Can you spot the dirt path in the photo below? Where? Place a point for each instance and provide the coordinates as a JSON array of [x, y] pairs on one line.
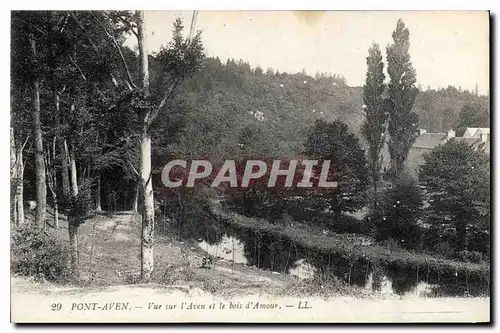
[[109, 248]]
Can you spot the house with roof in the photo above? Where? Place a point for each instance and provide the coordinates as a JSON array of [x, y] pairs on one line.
[[425, 143], [476, 138], [476, 132]]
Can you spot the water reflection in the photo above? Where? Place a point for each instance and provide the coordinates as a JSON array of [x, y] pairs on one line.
[[229, 248], [278, 254]]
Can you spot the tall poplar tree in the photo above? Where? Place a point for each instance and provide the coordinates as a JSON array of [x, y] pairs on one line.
[[374, 126], [402, 93]]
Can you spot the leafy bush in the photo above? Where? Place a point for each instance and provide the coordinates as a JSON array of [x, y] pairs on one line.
[[173, 273], [469, 256], [444, 249], [81, 205], [36, 254], [258, 200], [400, 209], [186, 213], [390, 243], [475, 256]]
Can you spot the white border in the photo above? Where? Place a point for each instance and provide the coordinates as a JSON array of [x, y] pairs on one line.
[[201, 5]]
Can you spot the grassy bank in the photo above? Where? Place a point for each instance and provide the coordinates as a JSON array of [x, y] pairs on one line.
[[346, 245]]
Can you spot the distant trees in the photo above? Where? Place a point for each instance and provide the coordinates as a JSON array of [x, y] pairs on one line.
[[457, 182], [334, 142], [403, 121], [374, 126], [473, 114]]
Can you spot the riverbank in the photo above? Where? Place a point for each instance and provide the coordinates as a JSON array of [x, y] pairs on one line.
[[349, 245], [352, 258]]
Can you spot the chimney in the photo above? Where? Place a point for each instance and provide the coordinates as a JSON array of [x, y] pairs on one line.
[[451, 134], [484, 137], [423, 131]]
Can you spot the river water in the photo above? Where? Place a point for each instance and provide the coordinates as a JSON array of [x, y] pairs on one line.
[[261, 251]]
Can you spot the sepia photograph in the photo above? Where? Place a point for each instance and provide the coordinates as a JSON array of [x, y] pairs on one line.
[[250, 166]]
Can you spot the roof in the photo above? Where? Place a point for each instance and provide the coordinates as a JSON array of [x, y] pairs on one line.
[[429, 140], [469, 141], [473, 131]]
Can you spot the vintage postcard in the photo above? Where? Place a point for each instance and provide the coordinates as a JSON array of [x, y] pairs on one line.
[[250, 166]]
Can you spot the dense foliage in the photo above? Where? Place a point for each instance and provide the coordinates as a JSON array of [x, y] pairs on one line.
[[456, 179], [37, 254], [400, 212], [334, 142]]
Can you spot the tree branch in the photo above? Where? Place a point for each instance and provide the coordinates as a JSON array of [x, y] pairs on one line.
[[133, 168], [25, 141], [65, 23], [127, 23], [79, 24], [131, 82], [150, 117], [78, 67], [34, 26]]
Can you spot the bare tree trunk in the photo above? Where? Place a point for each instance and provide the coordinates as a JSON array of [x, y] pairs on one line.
[[74, 179], [146, 190], [136, 197], [12, 153], [52, 181], [56, 213], [17, 177], [143, 53], [13, 176], [41, 190], [73, 244], [98, 194], [63, 152], [20, 190], [147, 205]]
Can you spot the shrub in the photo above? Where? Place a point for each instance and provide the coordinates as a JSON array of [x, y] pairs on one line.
[[258, 201], [390, 243], [400, 210], [469, 256], [37, 254], [475, 256], [444, 249], [186, 212], [173, 273], [80, 206]]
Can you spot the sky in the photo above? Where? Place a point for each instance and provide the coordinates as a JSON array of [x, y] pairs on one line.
[[447, 47]]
